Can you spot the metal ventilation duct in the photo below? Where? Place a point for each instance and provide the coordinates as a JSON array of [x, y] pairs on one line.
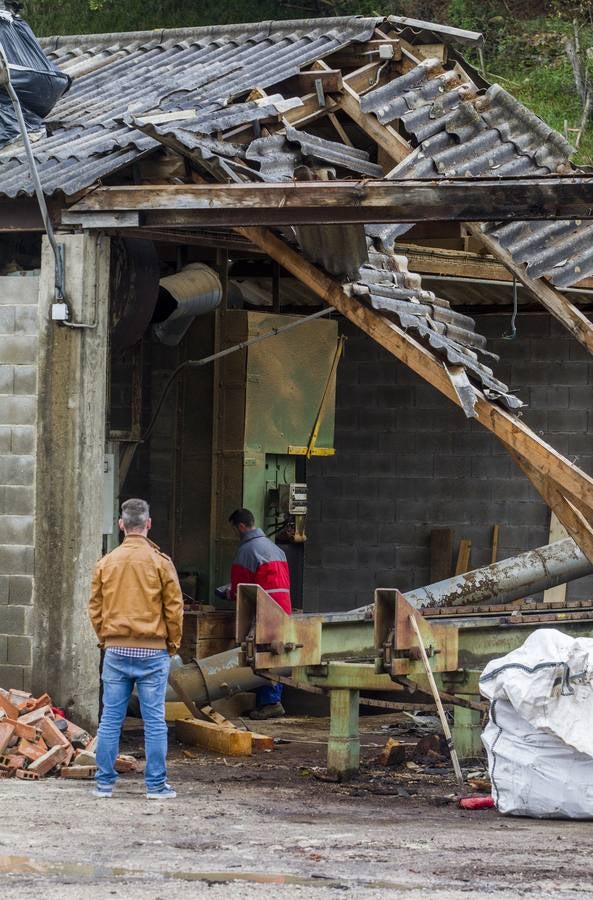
[[195, 291]]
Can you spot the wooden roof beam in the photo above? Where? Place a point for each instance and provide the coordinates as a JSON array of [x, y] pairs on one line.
[[557, 304], [574, 484], [365, 201]]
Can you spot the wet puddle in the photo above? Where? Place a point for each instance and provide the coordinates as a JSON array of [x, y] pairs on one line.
[[83, 872]]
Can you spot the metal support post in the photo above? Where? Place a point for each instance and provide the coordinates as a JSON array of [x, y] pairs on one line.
[[343, 749], [467, 730]]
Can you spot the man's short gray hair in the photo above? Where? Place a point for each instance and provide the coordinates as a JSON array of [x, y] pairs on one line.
[[135, 514]]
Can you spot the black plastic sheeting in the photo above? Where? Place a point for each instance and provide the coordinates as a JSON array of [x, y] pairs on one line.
[[37, 82]]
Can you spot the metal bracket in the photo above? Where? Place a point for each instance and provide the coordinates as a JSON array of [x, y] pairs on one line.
[[397, 645], [269, 637]]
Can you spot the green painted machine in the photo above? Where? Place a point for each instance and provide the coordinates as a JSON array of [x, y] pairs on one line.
[[273, 411]]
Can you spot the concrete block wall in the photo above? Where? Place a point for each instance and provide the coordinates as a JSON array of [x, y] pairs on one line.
[[18, 405], [407, 461]]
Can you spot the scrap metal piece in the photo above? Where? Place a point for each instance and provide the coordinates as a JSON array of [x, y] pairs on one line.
[[464, 389]]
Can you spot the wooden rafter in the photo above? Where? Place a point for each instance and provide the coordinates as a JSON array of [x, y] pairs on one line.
[[556, 303], [571, 481], [576, 524], [364, 201]]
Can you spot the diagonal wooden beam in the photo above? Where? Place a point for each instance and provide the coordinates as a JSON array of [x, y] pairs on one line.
[[555, 302], [572, 481], [578, 527]]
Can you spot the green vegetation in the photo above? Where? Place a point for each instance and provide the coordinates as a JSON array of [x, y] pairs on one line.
[[524, 48]]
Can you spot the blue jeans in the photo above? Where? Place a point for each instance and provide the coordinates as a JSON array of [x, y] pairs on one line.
[[119, 675], [268, 694]]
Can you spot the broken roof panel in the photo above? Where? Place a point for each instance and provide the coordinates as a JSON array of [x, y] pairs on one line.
[[119, 75]]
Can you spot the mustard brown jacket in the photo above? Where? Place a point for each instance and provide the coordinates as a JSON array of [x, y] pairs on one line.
[[136, 600]]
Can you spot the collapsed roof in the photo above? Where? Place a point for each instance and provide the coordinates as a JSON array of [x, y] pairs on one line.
[[252, 103]]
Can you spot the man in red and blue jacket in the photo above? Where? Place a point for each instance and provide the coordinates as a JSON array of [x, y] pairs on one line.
[[260, 561]]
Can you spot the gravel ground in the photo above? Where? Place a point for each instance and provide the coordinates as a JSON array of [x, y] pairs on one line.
[[268, 826]]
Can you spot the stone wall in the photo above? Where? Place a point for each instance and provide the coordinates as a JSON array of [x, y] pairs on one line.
[[18, 410]]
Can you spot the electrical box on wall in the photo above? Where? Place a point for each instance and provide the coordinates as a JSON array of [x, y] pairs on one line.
[[292, 499], [108, 492]]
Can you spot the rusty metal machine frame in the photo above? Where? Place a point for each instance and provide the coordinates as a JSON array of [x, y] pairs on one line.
[[375, 650]]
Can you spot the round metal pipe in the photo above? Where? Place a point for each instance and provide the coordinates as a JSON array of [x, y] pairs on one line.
[[509, 579], [218, 676]]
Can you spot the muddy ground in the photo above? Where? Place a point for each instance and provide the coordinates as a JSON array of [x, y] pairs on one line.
[[270, 826]]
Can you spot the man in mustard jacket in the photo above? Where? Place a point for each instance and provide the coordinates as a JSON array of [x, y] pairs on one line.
[[136, 609]]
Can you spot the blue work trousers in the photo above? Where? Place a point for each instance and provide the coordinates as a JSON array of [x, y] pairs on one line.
[[268, 694], [120, 674]]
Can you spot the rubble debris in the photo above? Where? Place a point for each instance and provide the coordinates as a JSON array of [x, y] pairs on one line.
[[36, 740], [393, 754]]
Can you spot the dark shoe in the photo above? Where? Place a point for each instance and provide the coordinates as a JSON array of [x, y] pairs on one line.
[[271, 711]]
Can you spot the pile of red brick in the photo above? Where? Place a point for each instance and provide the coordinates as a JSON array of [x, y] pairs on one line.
[[36, 741]]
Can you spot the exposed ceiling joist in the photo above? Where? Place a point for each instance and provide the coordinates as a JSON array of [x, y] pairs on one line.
[[331, 202]]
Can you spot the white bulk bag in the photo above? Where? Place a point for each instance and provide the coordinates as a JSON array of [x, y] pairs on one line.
[[539, 737]]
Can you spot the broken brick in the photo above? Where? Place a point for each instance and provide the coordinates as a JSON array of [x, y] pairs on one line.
[[44, 700], [36, 715], [49, 760], [13, 762], [31, 751], [9, 708], [6, 734], [82, 772], [28, 732], [27, 774], [51, 734]]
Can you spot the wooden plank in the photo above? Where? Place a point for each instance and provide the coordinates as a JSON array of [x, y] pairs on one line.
[[556, 303], [365, 200], [213, 737], [441, 553], [331, 80], [174, 710], [463, 556], [511, 430], [385, 136], [556, 596], [495, 535]]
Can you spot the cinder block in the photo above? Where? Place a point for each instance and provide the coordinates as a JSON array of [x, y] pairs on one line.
[[4, 589], [580, 397], [6, 320], [15, 559], [376, 509], [554, 397], [23, 439], [3, 647], [6, 379], [20, 589], [491, 467], [19, 650], [13, 620], [17, 469], [18, 348], [414, 465], [16, 529], [25, 380], [17, 500], [26, 319], [18, 410], [567, 420], [452, 466], [11, 677], [16, 290]]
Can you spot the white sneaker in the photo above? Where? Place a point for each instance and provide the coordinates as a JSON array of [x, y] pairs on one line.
[[105, 793], [165, 792]]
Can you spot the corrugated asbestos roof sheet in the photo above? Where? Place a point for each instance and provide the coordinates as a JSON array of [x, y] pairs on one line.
[[462, 133], [114, 114], [112, 81]]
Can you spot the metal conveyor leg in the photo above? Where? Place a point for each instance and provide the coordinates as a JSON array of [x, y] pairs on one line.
[[343, 749]]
